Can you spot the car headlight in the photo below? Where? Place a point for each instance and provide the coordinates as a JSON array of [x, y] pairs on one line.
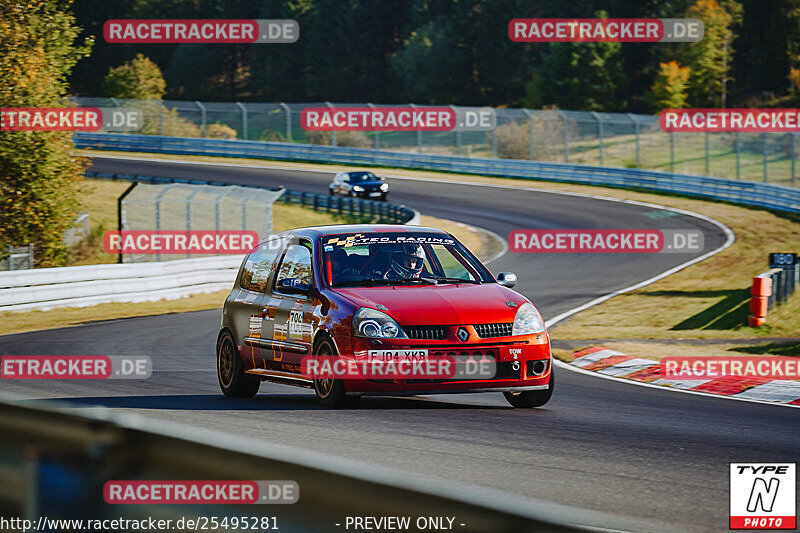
[[527, 321], [385, 187], [376, 325], [358, 188]]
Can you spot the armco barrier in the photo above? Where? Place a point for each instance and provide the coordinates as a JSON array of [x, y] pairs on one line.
[[47, 288], [54, 463], [769, 288], [767, 195]]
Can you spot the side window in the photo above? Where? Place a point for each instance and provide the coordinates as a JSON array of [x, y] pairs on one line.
[[296, 265], [259, 265]]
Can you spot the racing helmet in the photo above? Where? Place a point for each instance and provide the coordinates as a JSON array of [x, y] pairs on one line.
[[408, 260]]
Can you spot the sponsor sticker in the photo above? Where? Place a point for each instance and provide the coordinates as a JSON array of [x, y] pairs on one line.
[[359, 239], [229, 31], [200, 492], [762, 496]]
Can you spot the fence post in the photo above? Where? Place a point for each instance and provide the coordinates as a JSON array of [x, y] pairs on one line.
[[121, 222], [158, 212], [791, 139], [738, 155], [189, 213], [376, 133], [202, 118], [288, 121], [333, 133], [494, 136], [765, 156], [419, 133], [672, 151], [708, 165], [599, 135], [529, 114], [160, 118], [458, 134], [244, 119], [566, 136], [636, 131]]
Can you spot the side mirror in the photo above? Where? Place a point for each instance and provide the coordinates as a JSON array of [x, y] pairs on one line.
[[507, 279], [293, 286]]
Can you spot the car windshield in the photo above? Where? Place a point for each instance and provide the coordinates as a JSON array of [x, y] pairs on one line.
[[407, 258], [355, 177]]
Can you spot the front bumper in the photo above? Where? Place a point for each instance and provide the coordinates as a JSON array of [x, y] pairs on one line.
[[516, 359]]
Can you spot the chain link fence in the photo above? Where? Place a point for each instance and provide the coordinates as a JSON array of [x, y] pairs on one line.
[[178, 207], [586, 138]]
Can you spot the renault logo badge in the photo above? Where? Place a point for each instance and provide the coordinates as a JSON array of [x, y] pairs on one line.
[[462, 334]]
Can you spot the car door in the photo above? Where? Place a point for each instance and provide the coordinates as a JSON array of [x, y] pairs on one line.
[[290, 308], [246, 307]]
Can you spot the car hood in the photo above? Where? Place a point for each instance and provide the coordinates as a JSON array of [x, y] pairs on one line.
[[440, 304], [376, 183]]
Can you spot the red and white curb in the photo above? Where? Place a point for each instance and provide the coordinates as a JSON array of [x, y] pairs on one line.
[[619, 365]]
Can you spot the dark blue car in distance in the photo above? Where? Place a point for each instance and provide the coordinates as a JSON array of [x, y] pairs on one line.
[[359, 184]]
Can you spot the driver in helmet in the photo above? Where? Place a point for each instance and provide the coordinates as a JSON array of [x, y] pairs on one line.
[[407, 262]]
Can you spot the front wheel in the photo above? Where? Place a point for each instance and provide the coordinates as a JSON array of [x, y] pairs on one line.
[[230, 370], [330, 392], [532, 398]]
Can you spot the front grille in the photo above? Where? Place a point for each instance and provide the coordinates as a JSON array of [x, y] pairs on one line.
[[486, 331], [426, 332]]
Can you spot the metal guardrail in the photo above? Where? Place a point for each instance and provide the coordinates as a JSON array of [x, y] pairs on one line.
[[384, 212], [54, 463], [767, 195], [47, 288]]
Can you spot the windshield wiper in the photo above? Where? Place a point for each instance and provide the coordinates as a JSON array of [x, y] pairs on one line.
[[454, 280]]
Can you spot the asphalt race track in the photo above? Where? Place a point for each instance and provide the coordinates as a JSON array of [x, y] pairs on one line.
[[637, 452]]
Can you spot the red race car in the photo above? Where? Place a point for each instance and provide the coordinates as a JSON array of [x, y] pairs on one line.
[[379, 309]]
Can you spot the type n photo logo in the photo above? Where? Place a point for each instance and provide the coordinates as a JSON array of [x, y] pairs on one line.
[[763, 496]]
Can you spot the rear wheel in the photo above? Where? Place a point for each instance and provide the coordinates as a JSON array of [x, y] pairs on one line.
[[330, 392], [532, 398], [230, 370]]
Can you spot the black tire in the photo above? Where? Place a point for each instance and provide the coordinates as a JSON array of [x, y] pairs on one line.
[[532, 398], [230, 370], [330, 392]]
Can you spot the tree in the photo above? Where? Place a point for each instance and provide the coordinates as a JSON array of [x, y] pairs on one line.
[[581, 76], [709, 59], [669, 89], [40, 175], [138, 78]]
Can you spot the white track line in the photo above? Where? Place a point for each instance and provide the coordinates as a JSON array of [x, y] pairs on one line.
[[730, 239]]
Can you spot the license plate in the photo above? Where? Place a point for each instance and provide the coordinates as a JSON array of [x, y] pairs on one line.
[[398, 355], [374, 194]]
